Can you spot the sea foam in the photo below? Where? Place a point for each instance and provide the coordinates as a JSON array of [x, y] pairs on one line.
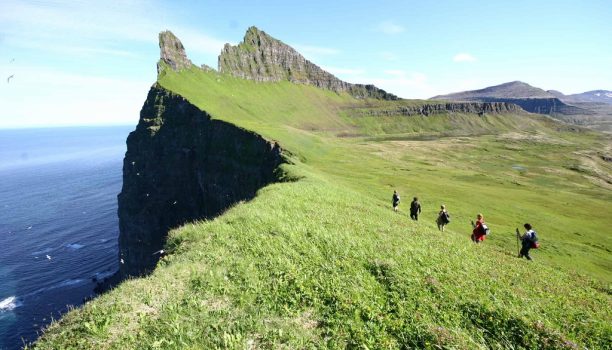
[[9, 303]]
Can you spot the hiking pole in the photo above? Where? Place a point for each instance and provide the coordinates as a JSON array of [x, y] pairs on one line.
[[517, 243]]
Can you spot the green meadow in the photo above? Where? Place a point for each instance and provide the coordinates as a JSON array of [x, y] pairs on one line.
[[322, 261]]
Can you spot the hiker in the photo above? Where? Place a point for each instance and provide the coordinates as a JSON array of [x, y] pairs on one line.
[[415, 209], [528, 240], [443, 218], [480, 229], [396, 200]]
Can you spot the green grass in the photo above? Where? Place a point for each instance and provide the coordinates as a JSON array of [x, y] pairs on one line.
[[322, 262]]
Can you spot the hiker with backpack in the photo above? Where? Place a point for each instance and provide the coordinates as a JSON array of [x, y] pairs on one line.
[[481, 230], [415, 209], [395, 200], [443, 218], [528, 240]]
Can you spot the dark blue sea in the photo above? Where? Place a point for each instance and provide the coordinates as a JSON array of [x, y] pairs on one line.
[[58, 222]]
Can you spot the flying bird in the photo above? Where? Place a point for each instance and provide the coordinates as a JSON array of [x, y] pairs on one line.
[[8, 80], [12, 60]]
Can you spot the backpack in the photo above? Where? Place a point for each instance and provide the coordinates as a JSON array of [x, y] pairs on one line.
[[485, 229], [445, 216], [534, 241], [414, 207]]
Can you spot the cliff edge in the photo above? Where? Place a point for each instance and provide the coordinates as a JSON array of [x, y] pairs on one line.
[[180, 166]]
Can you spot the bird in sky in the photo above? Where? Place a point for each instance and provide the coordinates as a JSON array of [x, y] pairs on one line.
[[8, 80]]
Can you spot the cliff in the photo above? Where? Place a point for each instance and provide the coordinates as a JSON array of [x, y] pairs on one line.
[[438, 108], [172, 52], [181, 165], [551, 106], [261, 57]]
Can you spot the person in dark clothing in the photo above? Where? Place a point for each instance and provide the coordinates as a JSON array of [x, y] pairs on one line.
[[415, 209], [396, 200], [443, 218], [528, 239]]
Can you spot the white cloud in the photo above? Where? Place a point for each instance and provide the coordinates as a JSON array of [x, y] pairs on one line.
[[195, 41], [405, 84], [388, 56], [390, 27], [396, 81], [315, 50], [464, 57], [102, 20], [65, 38], [396, 72], [70, 49], [68, 99], [344, 71]]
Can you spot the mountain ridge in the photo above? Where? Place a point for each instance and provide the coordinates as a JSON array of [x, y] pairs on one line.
[[592, 108], [513, 89]]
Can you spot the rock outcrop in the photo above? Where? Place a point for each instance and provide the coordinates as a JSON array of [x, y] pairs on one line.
[[451, 107], [551, 106], [181, 165], [172, 52], [261, 57]]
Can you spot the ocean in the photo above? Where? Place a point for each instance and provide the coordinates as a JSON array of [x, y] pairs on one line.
[[58, 222]]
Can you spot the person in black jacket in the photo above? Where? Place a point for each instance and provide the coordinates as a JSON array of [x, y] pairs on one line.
[[443, 218], [396, 200], [415, 209], [528, 240]]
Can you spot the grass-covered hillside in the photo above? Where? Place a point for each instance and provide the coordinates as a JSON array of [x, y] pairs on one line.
[[322, 261]]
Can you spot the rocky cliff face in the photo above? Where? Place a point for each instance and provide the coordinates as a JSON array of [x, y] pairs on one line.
[[180, 166], [172, 52], [543, 105], [260, 57], [460, 107]]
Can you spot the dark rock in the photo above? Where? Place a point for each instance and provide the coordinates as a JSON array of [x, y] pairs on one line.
[[480, 108], [261, 57], [180, 166]]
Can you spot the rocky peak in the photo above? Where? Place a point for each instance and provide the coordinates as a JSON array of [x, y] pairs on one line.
[[261, 57], [172, 52]]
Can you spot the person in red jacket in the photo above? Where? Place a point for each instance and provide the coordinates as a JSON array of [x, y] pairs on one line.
[[480, 229]]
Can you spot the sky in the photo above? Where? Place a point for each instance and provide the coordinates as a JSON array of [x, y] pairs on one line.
[[77, 62]]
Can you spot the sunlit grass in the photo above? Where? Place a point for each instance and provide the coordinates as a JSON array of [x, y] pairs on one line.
[[323, 262]]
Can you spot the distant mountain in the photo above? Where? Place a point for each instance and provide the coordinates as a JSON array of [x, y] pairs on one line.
[[591, 108], [530, 98], [514, 89], [598, 96]]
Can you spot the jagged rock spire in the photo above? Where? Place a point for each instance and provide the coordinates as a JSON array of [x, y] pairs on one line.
[[172, 52], [261, 57]]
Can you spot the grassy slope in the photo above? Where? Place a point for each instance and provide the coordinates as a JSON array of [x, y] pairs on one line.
[[323, 262]]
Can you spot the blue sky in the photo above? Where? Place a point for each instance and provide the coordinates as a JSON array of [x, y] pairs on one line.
[[91, 62]]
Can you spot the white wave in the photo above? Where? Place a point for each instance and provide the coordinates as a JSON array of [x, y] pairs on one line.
[[41, 252], [75, 246], [66, 283], [9, 303]]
